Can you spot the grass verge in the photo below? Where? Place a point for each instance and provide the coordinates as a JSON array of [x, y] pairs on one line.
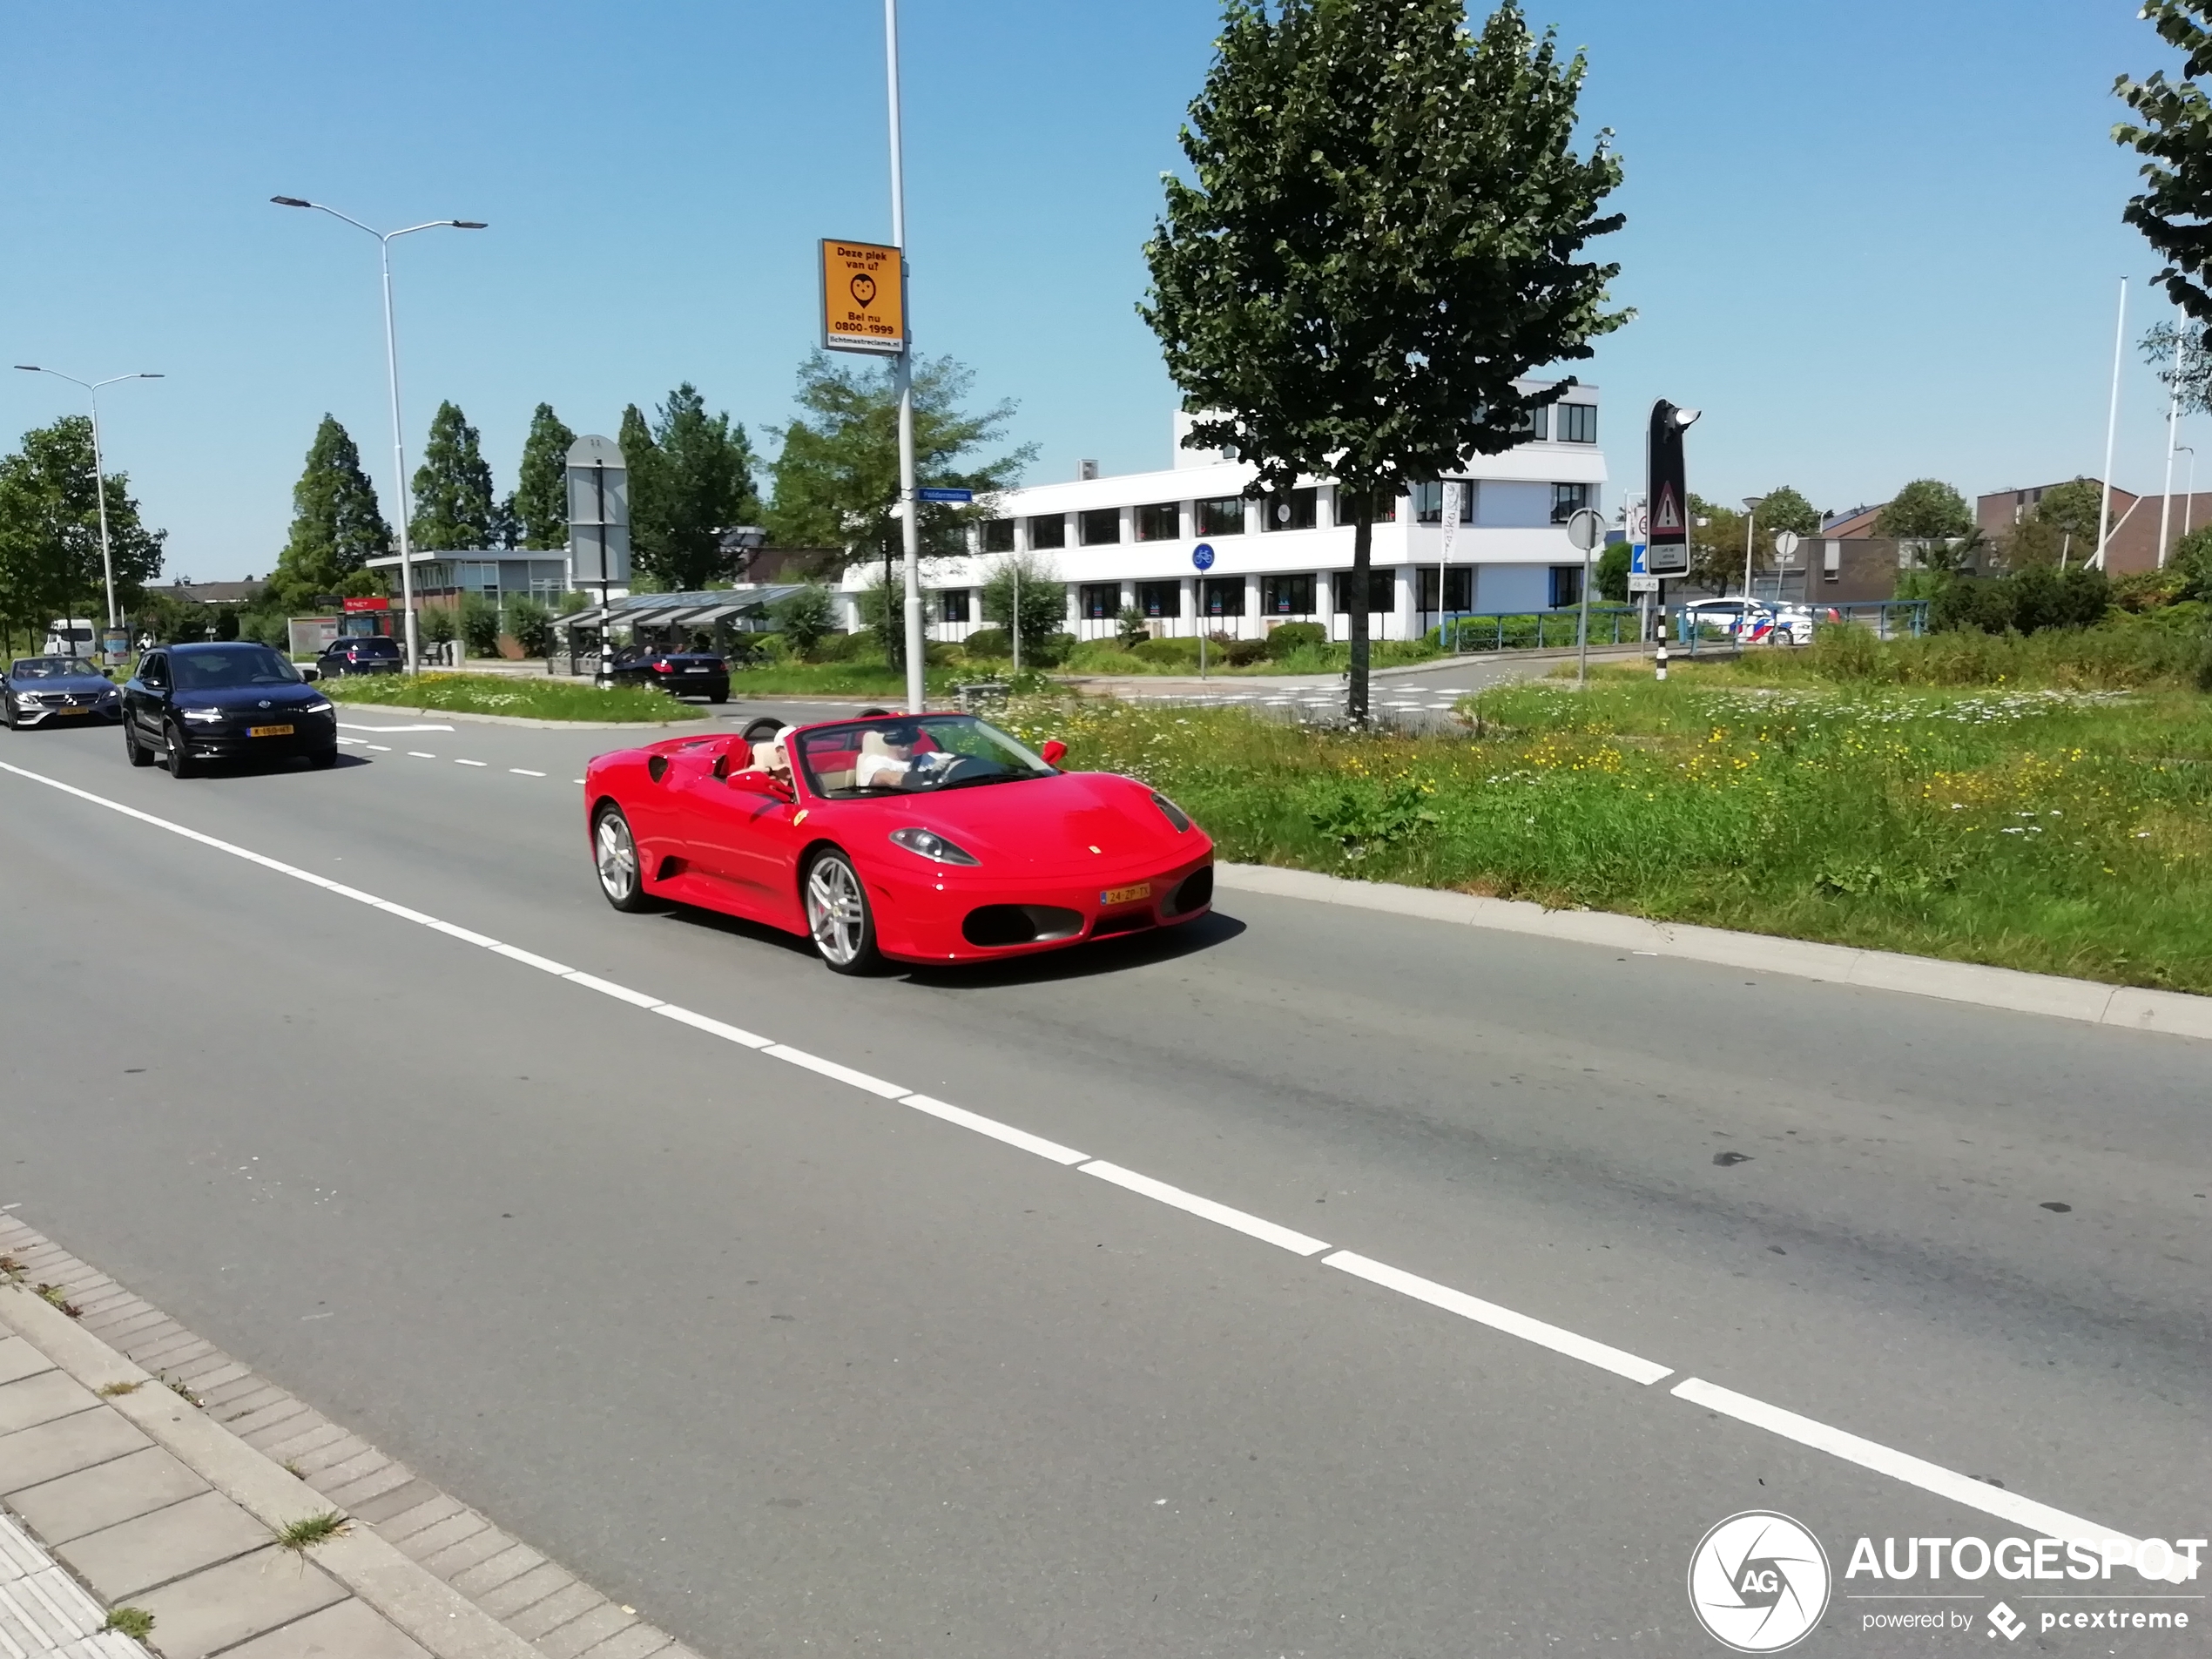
[[2054, 830], [536, 699]]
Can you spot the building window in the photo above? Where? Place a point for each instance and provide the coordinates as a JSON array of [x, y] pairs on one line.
[[1382, 591], [1100, 601], [1222, 595], [1531, 427], [1160, 598], [1459, 588], [1286, 596], [1347, 507], [1428, 502], [951, 604], [1568, 500], [998, 536], [1294, 510], [1162, 521], [1577, 422], [1567, 586], [1099, 527], [1223, 515], [1051, 530]]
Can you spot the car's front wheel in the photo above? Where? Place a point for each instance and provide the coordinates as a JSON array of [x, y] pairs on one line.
[[837, 917], [133, 750], [181, 765], [614, 852]]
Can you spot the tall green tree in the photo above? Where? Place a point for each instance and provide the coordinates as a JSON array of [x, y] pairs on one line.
[[453, 505], [1925, 509], [696, 485], [336, 526], [641, 460], [2172, 132], [1382, 235], [837, 475], [1785, 508], [539, 507], [49, 530]]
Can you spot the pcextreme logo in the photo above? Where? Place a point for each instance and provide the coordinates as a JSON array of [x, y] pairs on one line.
[[1758, 1582]]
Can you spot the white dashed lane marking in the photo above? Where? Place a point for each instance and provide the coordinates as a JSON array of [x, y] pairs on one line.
[[472, 763], [524, 772], [1868, 1454], [417, 754]]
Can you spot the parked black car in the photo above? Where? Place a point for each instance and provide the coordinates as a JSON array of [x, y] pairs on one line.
[[226, 701], [361, 654], [57, 690], [681, 673]]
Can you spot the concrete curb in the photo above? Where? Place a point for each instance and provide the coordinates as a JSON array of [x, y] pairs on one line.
[[423, 1606], [519, 719], [2127, 1008]]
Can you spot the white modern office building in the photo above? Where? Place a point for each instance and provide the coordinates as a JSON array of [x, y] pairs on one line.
[[1128, 540]]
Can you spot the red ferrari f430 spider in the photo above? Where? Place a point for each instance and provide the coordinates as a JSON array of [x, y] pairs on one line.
[[927, 838]]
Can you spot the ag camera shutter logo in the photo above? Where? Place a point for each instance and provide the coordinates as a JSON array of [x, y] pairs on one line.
[[1758, 1582]]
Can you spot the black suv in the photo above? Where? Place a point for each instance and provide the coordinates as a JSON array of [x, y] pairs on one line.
[[360, 654], [226, 701]]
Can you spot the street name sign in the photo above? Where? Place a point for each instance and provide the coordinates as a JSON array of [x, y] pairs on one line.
[[863, 298], [944, 496]]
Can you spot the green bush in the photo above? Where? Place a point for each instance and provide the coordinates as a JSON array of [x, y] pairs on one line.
[[842, 647], [1049, 650], [804, 617], [1240, 653], [437, 624], [532, 624], [479, 625], [2026, 602], [1292, 636], [1167, 650], [1130, 627], [988, 643]]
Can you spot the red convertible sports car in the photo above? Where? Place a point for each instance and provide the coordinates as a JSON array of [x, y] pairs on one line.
[[927, 838]]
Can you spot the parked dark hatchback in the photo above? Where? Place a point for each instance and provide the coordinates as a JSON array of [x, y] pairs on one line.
[[228, 701], [681, 673], [363, 654], [57, 690]]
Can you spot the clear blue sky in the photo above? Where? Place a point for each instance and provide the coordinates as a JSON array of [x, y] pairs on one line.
[[1871, 241]]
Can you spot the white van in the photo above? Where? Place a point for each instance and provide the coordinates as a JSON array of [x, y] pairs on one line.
[[70, 637]]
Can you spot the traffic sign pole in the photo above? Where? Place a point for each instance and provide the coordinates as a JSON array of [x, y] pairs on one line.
[[1202, 561], [1583, 530], [910, 524]]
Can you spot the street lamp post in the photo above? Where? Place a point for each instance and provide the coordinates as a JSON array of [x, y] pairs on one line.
[[384, 238], [1750, 526], [99, 469], [910, 510], [2188, 502]]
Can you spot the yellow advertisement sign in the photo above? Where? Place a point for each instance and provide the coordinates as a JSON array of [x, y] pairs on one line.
[[863, 298]]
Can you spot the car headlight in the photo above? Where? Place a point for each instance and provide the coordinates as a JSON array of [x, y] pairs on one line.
[[30, 699], [1175, 814], [932, 847], [317, 708], [204, 717]]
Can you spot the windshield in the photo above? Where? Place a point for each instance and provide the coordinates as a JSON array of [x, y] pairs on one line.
[[924, 755], [51, 668], [209, 670]]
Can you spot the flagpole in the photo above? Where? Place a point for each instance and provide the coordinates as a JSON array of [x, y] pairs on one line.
[[2112, 428]]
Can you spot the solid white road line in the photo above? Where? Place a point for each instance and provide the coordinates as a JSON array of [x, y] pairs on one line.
[[1283, 1237], [1514, 1325], [1868, 1454], [350, 726], [1901, 1466]]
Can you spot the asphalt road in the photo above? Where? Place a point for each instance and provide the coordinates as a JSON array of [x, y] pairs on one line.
[[792, 1368]]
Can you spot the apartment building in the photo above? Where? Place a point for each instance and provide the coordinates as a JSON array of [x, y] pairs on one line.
[[1128, 540]]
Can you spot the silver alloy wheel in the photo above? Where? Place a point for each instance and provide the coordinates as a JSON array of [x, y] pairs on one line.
[[837, 915], [616, 856]]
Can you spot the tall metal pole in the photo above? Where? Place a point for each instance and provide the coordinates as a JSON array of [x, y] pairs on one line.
[[100, 470], [401, 492], [1751, 527], [2188, 502], [2112, 428], [910, 512], [2172, 416]]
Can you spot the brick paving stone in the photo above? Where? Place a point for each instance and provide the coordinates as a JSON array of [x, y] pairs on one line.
[[32, 1400], [247, 1424], [224, 1605], [246, 1402], [638, 1641], [344, 1474], [349, 1629], [428, 1540], [426, 1513], [118, 1490], [542, 1580], [33, 1456], [458, 1558], [170, 1355], [243, 1389], [356, 1498], [585, 1631], [19, 1359], [553, 1611], [503, 1569], [120, 1562], [217, 1372], [336, 1454], [121, 1334], [290, 1440]]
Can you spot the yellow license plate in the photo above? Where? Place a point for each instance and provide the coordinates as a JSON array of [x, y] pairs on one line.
[[270, 731], [1126, 895], [72, 710]]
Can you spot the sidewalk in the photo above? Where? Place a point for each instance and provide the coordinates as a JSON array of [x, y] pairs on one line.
[[141, 1464]]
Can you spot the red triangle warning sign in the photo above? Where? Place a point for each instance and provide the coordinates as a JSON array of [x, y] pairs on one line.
[[1668, 515]]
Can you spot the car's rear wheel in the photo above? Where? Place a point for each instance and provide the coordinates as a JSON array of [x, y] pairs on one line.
[[133, 750], [181, 765], [614, 854], [837, 917]]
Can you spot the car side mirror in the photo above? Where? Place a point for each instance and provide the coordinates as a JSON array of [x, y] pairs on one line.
[[1054, 752]]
